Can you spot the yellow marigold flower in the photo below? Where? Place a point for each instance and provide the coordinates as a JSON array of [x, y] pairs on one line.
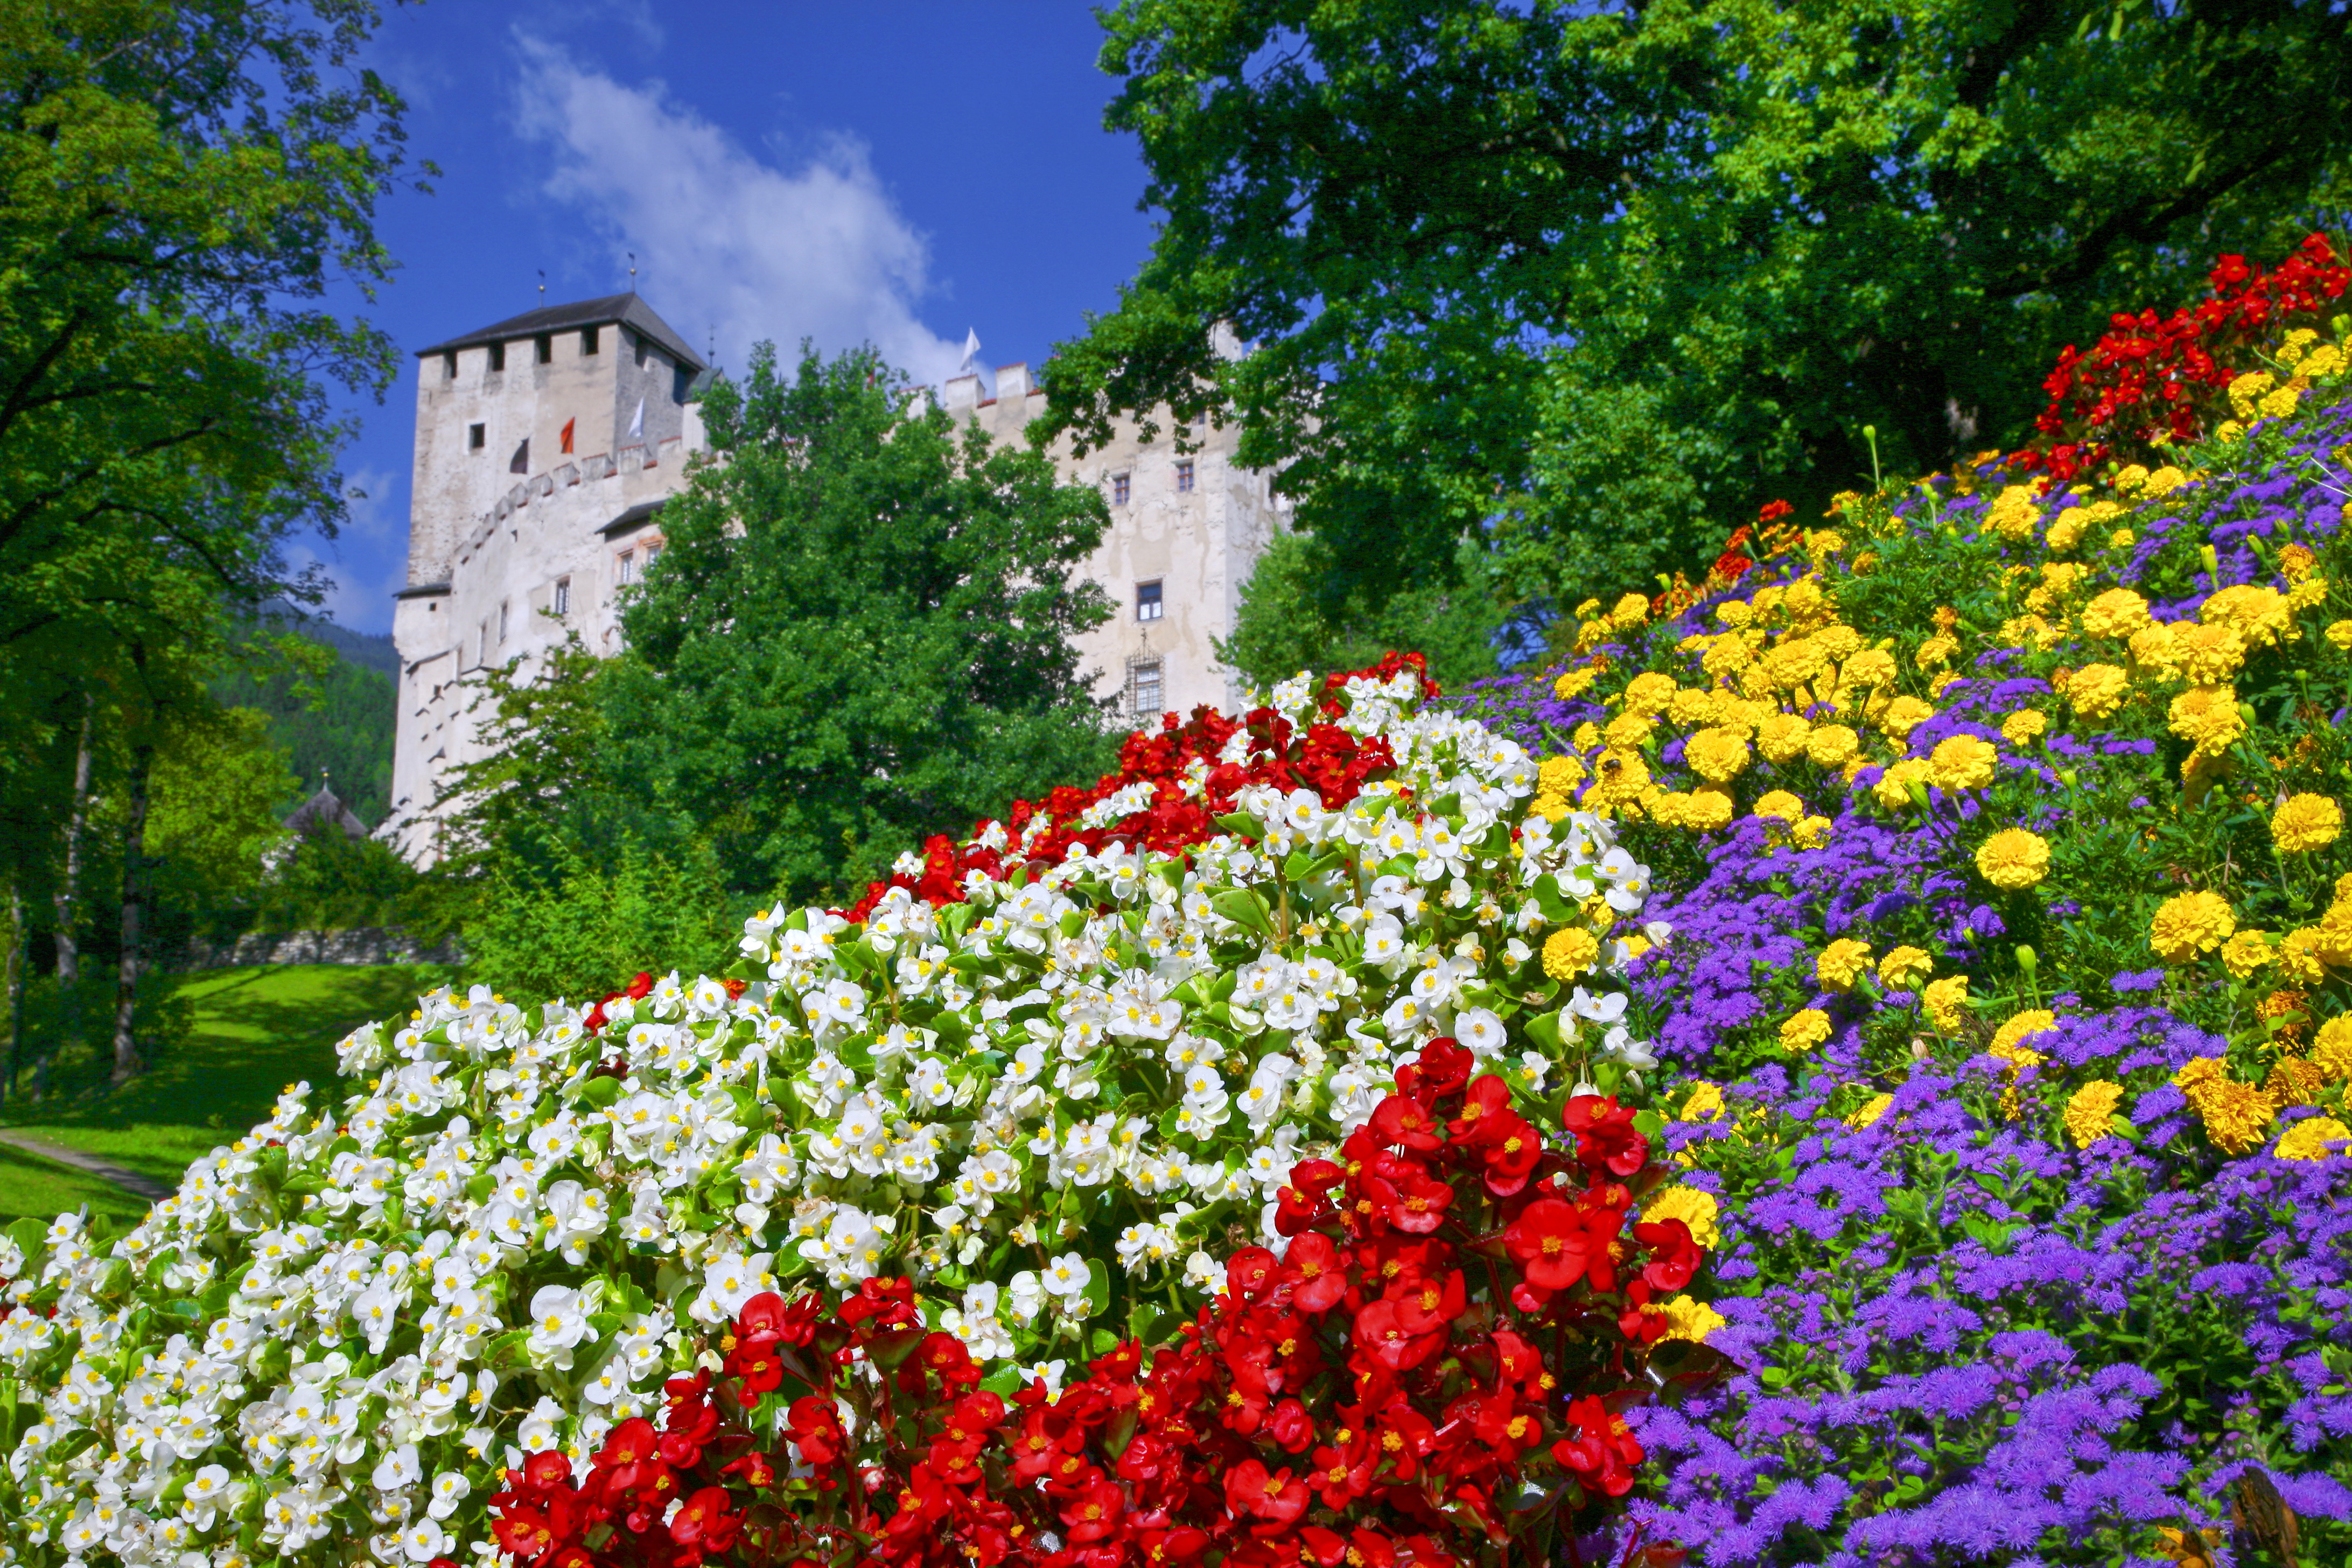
[[1943, 999], [1794, 662], [2013, 512], [2090, 1111], [2246, 952], [2260, 615], [1870, 1110], [2163, 482], [2207, 654], [1558, 776], [1586, 737], [1833, 745], [1549, 806], [1812, 833], [2327, 359], [2118, 613], [1963, 761], [1936, 651], [2189, 924], [1704, 1103], [1694, 706], [2298, 956], [2122, 539], [2331, 1050], [1903, 967], [1893, 790], [2013, 858], [1690, 1320], [2024, 727], [1718, 757], [1649, 692], [1903, 715], [1696, 1209], [1569, 951], [2154, 653], [2306, 822], [1707, 809], [1944, 677], [2235, 1115], [1868, 667], [2130, 476], [2309, 594], [1735, 612], [1821, 541], [1781, 804], [2278, 405], [2246, 389], [2293, 1081], [2308, 1139], [2007, 1040], [2097, 689], [2209, 716], [1728, 655], [2294, 561], [1842, 963], [1629, 612], [1618, 776], [1573, 682], [1804, 1030], [1803, 599], [1628, 732], [1782, 737]]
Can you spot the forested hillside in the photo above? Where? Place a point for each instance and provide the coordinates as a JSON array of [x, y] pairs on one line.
[[341, 723]]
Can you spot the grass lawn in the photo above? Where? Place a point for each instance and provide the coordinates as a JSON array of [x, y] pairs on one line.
[[252, 1032]]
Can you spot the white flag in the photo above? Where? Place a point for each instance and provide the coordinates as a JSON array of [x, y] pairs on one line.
[[971, 365], [637, 422]]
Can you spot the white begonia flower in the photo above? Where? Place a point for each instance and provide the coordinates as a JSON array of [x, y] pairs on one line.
[[1066, 1279], [1481, 1033], [425, 1540], [559, 1323], [398, 1470], [1024, 1297]]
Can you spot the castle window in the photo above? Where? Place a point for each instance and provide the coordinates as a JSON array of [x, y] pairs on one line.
[[449, 365], [482, 656], [563, 595], [1147, 600], [641, 354], [1143, 692], [544, 347], [588, 339], [1184, 477], [629, 566], [498, 358], [476, 435], [653, 554], [502, 622], [1119, 490]]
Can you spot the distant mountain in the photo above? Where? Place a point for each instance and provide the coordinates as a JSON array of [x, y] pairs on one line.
[[372, 651]]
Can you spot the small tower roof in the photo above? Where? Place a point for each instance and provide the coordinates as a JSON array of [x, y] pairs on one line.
[[324, 810], [629, 309]]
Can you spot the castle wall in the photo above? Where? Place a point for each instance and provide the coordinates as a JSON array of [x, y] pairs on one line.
[[490, 548]]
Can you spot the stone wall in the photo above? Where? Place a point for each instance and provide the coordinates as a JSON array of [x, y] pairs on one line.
[[368, 945]]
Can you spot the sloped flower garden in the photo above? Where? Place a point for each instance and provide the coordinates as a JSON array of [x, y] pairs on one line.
[[1848, 1068]]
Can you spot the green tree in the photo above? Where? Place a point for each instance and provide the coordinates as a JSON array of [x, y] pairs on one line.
[[1285, 625], [1607, 277], [858, 633], [181, 181], [329, 714]]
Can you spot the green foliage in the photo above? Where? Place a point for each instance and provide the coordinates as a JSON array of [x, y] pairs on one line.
[[1610, 274], [598, 920], [1285, 626], [334, 723], [858, 633]]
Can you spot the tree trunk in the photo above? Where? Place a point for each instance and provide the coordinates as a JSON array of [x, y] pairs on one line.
[[16, 988], [134, 899], [69, 1031]]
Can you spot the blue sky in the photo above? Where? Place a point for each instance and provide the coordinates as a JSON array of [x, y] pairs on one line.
[[893, 170]]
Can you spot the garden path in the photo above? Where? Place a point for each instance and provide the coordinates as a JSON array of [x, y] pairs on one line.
[[130, 1181]]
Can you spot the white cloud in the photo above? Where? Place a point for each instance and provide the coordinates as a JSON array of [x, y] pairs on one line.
[[726, 241]]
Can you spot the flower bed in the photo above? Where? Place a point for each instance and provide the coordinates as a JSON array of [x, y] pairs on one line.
[[2000, 833], [1040, 1090]]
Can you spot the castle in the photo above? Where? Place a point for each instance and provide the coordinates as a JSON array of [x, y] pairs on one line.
[[547, 444]]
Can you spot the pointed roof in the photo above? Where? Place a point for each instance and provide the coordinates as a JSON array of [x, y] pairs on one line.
[[629, 309], [323, 810]]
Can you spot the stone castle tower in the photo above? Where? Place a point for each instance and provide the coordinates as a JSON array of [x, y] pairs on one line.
[[547, 443]]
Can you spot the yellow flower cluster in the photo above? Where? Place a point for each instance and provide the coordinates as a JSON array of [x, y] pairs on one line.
[[2308, 1139], [1695, 1208], [1571, 952], [2190, 924], [2237, 1116], [1842, 963], [1805, 1030], [2303, 823], [2091, 1110]]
